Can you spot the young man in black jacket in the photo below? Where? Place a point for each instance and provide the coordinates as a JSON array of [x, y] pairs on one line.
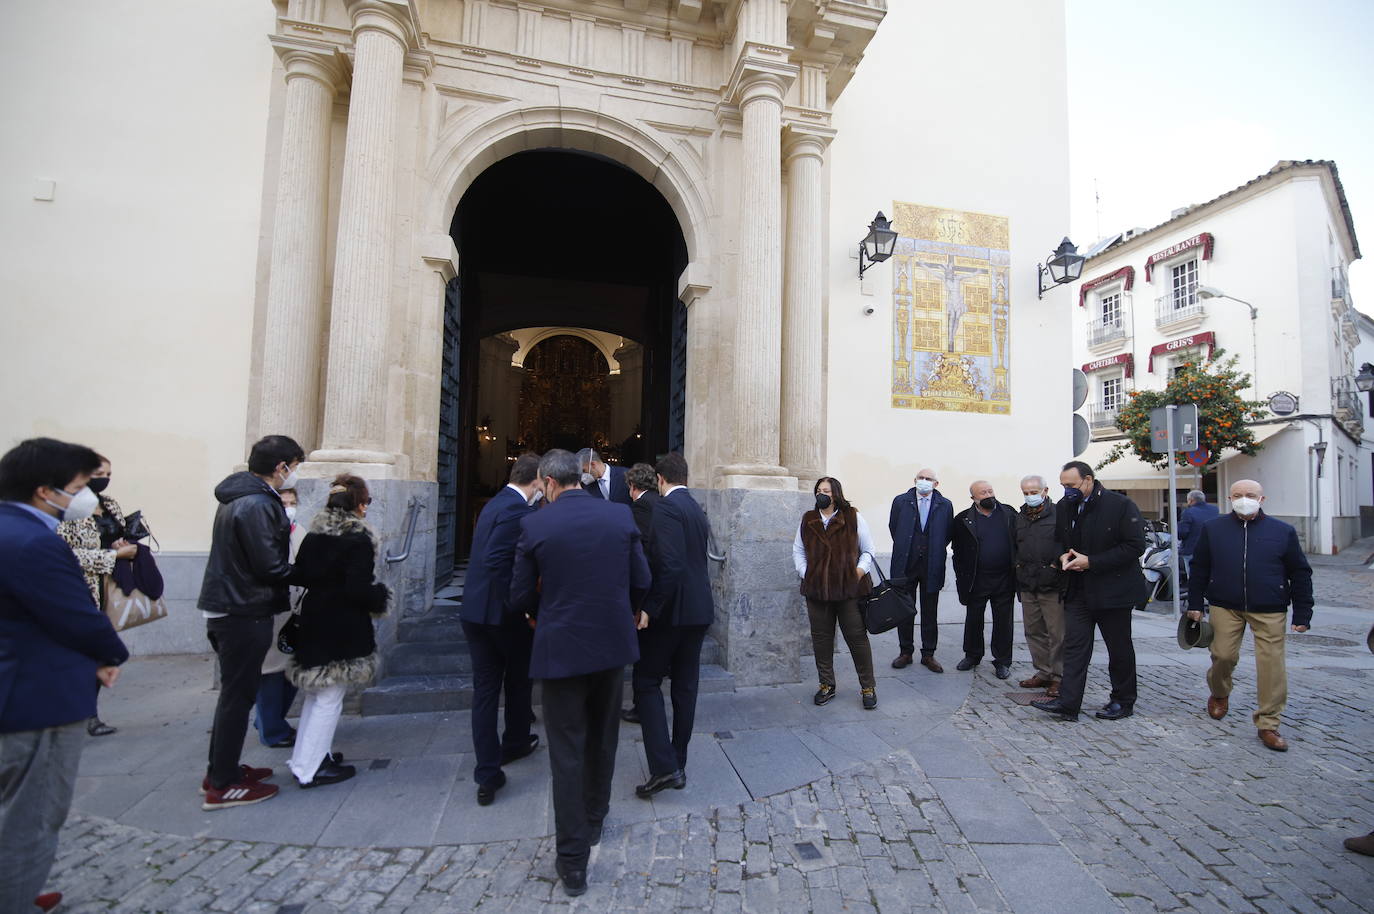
[[1247, 568], [244, 587], [1103, 536]]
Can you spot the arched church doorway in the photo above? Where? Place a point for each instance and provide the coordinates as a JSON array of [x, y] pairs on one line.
[[563, 328]]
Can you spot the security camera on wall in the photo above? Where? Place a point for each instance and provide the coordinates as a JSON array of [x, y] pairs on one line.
[[868, 310]]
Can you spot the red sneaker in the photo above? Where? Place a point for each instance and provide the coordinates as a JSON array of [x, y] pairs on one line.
[[48, 900], [240, 794], [247, 775]]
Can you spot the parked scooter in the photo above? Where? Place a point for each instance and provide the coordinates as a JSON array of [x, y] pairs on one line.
[[1154, 564]]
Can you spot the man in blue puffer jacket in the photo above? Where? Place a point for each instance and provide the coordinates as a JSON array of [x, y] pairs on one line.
[[1250, 567]]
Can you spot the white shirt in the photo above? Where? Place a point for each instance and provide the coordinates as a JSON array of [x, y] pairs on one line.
[[604, 481], [672, 489], [865, 545]]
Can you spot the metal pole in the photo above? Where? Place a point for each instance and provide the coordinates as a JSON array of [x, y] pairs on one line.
[[1173, 505]]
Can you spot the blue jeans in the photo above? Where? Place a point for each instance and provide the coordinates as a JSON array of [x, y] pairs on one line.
[[275, 695]]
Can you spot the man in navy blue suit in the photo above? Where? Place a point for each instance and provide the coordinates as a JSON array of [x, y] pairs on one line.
[[603, 480], [498, 640], [921, 523], [56, 650], [679, 610], [579, 572]]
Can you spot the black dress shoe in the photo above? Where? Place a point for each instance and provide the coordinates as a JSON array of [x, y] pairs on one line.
[[513, 755], [629, 715], [286, 743], [1002, 670], [330, 773], [97, 727], [1055, 706], [967, 664], [1114, 710], [486, 793], [674, 779], [574, 878]]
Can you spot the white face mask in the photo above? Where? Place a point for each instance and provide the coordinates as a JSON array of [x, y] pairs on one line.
[[291, 513], [588, 479], [81, 506], [1035, 500], [924, 487], [1245, 506], [290, 481]]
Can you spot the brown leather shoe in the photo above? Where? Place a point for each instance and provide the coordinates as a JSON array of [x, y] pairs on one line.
[[1052, 691], [1035, 682], [929, 662], [1363, 845], [903, 659], [1272, 740], [1217, 707]]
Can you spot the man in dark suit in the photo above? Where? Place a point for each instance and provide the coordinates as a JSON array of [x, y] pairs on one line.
[[679, 610], [602, 480], [1102, 535], [56, 650], [984, 544], [643, 483], [499, 641], [579, 572], [921, 523]]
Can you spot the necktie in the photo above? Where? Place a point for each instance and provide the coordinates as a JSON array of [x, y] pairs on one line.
[[924, 503], [606, 487]]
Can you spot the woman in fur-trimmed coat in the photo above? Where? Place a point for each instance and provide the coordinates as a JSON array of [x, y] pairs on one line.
[[335, 646]]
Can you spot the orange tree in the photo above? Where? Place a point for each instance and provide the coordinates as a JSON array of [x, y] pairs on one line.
[[1214, 385]]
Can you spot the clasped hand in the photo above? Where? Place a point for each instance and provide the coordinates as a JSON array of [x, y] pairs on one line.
[[1073, 560]]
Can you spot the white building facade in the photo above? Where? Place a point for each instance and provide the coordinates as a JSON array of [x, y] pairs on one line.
[[1259, 272]]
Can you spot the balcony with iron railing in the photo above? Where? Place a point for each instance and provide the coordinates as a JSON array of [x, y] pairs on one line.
[[1103, 332], [1103, 418], [1179, 307], [1347, 407]]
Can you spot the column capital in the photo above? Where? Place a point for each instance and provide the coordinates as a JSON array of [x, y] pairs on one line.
[[805, 140], [761, 72], [388, 16], [324, 63]]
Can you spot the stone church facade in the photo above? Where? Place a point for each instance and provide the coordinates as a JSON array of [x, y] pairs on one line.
[[772, 129]]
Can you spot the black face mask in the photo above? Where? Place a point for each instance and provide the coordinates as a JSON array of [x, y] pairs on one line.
[[987, 504], [1072, 493], [822, 501], [98, 484]]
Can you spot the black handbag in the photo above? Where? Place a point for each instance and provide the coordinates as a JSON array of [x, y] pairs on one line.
[[887, 605], [289, 638]]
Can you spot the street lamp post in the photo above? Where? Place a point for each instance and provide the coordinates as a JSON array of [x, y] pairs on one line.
[[1206, 292]]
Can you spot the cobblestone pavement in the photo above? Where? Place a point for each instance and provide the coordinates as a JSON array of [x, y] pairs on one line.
[[1008, 811], [1344, 586]]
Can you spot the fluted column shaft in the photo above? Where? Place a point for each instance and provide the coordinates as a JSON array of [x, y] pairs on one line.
[[802, 390], [355, 393], [758, 323], [295, 293]]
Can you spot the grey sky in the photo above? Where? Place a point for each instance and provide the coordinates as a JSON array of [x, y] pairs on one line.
[[1172, 103]]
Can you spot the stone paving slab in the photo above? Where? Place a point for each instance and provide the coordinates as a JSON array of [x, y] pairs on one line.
[[911, 808]]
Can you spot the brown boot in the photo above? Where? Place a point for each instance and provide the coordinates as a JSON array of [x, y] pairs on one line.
[[1272, 740], [1036, 682], [903, 659], [1217, 707], [929, 662], [1053, 690]]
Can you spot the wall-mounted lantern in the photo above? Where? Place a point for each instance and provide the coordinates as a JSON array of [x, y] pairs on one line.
[[878, 244], [1065, 265]]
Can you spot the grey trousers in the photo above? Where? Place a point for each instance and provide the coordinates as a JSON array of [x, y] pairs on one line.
[[37, 777]]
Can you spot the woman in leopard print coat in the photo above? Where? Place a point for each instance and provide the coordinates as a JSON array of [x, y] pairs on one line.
[[97, 541]]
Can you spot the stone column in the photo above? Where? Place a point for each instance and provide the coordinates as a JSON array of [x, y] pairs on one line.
[[295, 294], [754, 460], [802, 330], [356, 388]]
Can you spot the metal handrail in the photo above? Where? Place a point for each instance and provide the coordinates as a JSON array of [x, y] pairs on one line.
[[414, 508], [711, 547]]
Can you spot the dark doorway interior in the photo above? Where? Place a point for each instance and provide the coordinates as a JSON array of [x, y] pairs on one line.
[[553, 238]]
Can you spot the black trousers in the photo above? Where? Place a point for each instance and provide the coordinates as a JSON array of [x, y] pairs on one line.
[[930, 619], [241, 643], [671, 652], [500, 657], [1115, 624], [582, 722], [975, 612]]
